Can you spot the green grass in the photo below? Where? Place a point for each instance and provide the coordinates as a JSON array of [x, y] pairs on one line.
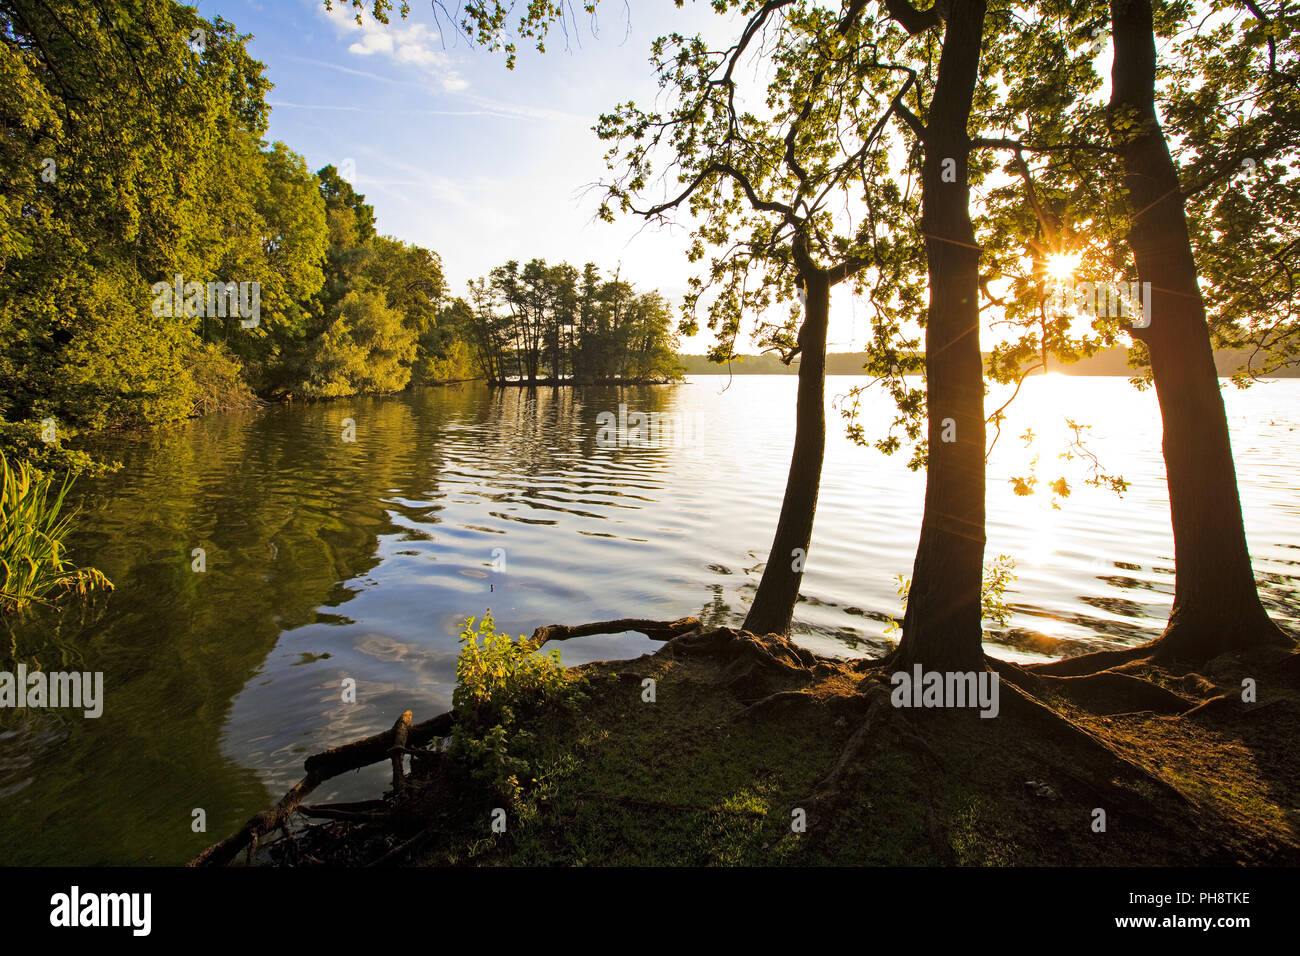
[[34, 567]]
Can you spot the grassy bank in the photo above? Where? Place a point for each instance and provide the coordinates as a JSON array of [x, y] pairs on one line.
[[755, 752]]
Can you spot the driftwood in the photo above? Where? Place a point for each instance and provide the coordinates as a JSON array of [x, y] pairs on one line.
[[321, 767], [655, 630]]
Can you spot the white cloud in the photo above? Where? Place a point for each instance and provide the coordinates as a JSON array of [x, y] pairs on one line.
[[372, 43], [407, 43]]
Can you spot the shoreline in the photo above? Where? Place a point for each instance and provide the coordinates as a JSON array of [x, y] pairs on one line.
[[726, 748]]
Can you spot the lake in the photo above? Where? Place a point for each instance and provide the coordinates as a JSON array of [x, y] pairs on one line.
[[328, 559]]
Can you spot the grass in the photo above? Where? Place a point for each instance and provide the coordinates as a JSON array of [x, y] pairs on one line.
[[34, 567], [704, 776]]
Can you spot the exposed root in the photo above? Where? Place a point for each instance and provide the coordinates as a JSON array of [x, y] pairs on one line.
[[1113, 692], [754, 666], [1227, 706], [772, 702], [1089, 663], [828, 794], [1083, 742]]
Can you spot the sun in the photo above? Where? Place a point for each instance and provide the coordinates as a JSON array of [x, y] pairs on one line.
[[1061, 265]]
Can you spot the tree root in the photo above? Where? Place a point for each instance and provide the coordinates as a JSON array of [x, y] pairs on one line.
[[1089, 663], [1103, 692], [881, 726], [865, 738], [777, 701], [1227, 706], [1051, 723], [753, 667], [1176, 647]]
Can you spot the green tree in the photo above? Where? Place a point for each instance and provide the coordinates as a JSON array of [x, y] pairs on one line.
[[367, 348], [121, 206], [766, 188], [1213, 241]]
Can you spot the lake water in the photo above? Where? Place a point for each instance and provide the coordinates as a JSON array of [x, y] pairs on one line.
[[328, 559]]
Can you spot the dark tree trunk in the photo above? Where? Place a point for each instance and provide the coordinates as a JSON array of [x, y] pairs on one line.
[[942, 629], [1216, 606], [778, 590]]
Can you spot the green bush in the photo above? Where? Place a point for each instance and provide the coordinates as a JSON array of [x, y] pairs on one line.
[[22, 441], [33, 563], [500, 683], [218, 381], [365, 350]]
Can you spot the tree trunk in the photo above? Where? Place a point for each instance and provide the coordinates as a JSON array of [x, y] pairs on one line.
[[942, 629], [1216, 606], [778, 590]]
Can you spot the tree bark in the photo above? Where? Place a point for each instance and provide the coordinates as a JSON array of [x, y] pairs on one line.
[[942, 629], [778, 589], [1216, 605]]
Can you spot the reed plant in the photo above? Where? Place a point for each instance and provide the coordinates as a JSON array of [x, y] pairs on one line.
[[34, 565]]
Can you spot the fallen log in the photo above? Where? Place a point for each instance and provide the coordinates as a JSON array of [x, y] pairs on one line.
[[368, 750], [321, 767], [655, 630]]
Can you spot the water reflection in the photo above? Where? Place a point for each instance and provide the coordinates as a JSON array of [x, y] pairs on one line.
[[330, 560]]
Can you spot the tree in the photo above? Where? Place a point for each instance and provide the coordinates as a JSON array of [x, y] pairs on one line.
[[367, 348], [488, 332], [1216, 605], [1231, 99], [118, 206], [444, 353], [941, 627], [275, 233], [762, 187]]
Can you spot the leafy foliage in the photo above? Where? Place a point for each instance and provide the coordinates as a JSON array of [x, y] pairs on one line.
[[500, 683]]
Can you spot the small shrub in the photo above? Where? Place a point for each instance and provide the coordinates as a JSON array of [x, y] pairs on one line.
[[219, 384], [22, 441], [500, 683]]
